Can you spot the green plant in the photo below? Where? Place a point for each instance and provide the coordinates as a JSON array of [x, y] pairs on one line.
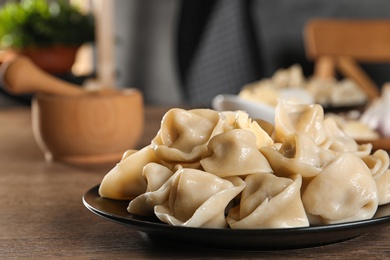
[[37, 23]]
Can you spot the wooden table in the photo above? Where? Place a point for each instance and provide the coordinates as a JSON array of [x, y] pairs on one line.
[[42, 215]]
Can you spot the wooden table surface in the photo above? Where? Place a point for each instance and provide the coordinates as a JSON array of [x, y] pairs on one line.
[[42, 215]]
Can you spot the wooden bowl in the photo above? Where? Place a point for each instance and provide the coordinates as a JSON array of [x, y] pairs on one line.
[[91, 128]]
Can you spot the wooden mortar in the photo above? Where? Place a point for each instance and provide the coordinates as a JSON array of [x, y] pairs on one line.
[[73, 125]]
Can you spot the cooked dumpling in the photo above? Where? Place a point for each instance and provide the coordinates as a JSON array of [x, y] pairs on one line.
[[269, 201], [159, 180], [344, 191], [338, 141], [128, 153], [354, 127], [378, 163], [199, 199], [125, 180], [155, 175], [347, 93], [321, 89], [184, 135], [235, 153], [293, 118], [298, 155], [260, 91], [383, 185]]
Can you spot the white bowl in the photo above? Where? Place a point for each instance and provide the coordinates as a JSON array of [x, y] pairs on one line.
[[258, 110], [254, 109]]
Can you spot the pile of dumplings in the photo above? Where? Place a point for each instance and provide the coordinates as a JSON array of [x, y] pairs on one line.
[[328, 93], [226, 170]]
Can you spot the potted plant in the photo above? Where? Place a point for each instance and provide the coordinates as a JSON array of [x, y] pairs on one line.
[[48, 33]]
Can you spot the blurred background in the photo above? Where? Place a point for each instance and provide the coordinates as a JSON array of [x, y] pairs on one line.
[[185, 52]]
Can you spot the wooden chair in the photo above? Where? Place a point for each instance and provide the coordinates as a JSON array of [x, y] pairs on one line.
[[342, 44]]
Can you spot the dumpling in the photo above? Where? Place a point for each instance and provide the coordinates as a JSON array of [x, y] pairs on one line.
[[128, 153], [338, 141], [354, 127], [159, 180], [293, 118], [321, 89], [344, 191], [378, 163], [198, 199], [291, 77], [298, 154], [235, 153], [184, 135], [155, 175], [269, 201], [263, 91], [383, 186], [125, 180], [347, 93]]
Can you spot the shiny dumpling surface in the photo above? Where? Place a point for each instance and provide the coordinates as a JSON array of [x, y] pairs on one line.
[[184, 134], [378, 163], [293, 118], [298, 154], [198, 199], [222, 169], [125, 181], [235, 153], [344, 191], [159, 181], [269, 201]]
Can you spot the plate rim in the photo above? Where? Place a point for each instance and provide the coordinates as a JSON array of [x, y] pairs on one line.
[[152, 227]]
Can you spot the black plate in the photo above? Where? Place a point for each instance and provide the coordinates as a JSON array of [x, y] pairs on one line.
[[235, 239]]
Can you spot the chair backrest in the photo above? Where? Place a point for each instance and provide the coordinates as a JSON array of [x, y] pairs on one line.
[[341, 44]]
